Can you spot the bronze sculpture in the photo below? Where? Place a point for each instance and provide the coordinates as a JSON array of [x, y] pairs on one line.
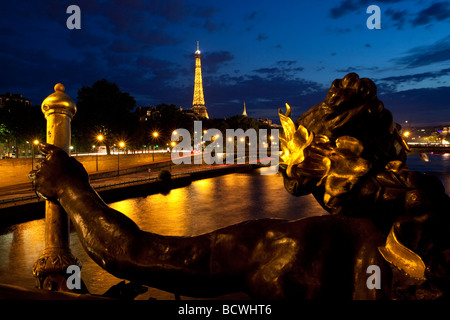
[[347, 153]]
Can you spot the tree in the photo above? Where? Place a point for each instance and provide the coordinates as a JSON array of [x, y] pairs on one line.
[[20, 122], [102, 109], [163, 119]]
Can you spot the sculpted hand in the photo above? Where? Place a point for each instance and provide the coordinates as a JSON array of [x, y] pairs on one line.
[[56, 172]]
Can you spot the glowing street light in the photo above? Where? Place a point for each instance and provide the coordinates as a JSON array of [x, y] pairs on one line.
[[155, 136], [99, 139], [35, 143], [121, 145]]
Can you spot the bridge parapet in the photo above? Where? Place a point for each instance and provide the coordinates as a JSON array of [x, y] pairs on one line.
[[429, 149]]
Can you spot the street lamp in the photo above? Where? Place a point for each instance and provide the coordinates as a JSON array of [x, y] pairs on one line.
[[155, 136], [35, 143], [99, 139], [121, 145]]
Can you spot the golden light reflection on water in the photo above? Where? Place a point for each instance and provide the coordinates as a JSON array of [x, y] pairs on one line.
[[19, 249], [162, 214], [209, 204]]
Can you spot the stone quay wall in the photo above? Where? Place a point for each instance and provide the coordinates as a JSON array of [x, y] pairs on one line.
[[15, 171]]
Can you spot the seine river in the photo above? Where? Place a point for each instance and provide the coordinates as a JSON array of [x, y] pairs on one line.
[[203, 206]]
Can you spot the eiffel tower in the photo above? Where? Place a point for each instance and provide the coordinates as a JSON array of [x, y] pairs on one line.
[[198, 104]]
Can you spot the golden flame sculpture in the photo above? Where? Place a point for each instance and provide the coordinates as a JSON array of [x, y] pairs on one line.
[[401, 257], [295, 141], [336, 164]]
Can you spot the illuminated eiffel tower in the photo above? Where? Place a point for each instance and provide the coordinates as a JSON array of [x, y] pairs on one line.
[[198, 104], [244, 113]]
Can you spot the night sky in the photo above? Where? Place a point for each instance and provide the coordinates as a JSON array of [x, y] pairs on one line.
[[264, 52]]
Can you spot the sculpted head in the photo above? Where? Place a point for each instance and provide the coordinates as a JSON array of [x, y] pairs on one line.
[[338, 141]]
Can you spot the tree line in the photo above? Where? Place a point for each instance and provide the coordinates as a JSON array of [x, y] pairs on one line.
[[103, 109]]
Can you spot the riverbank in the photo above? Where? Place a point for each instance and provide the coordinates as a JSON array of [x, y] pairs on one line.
[[113, 188], [15, 171]]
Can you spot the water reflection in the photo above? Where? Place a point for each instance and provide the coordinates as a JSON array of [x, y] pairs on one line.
[[19, 249], [210, 204]]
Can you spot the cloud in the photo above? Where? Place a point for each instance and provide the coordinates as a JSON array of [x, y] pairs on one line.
[[213, 61], [212, 26], [152, 63], [267, 70], [349, 6], [438, 11], [286, 62], [398, 17], [417, 77], [283, 69], [86, 39], [262, 37], [251, 16], [357, 69], [174, 11], [426, 55], [205, 12], [343, 9], [153, 37], [335, 29]]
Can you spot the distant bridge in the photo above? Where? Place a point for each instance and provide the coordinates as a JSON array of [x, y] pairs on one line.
[[440, 149]]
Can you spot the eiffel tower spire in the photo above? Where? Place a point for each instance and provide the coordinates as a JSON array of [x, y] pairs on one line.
[[198, 103], [244, 113]]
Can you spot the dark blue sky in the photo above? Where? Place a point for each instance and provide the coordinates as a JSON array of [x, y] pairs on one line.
[[264, 52]]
